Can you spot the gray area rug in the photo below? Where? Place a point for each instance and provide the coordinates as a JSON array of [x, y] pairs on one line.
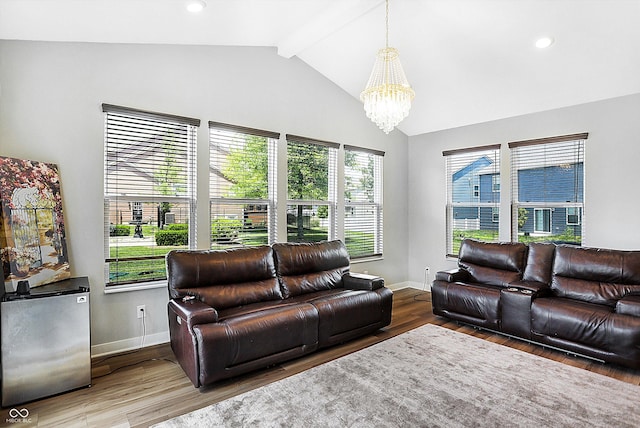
[[431, 377]]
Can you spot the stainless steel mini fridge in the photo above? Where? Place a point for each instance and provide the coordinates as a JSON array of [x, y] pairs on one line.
[[45, 341]]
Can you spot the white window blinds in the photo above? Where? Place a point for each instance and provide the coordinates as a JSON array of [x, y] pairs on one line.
[[242, 185], [311, 189], [363, 201], [547, 185], [149, 174], [473, 195]]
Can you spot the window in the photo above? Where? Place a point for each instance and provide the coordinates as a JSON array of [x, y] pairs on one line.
[[149, 191], [472, 198], [311, 189], [363, 201], [574, 216], [548, 189], [495, 183], [495, 214], [242, 187], [542, 220]]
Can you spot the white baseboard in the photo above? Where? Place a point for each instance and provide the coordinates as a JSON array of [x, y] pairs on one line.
[[409, 284], [130, 344]]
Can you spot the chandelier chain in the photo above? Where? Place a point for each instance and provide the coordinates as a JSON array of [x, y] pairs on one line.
[[386, 21], [388, 95]]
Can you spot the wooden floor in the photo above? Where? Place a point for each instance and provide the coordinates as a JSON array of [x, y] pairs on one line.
[[144, 387]]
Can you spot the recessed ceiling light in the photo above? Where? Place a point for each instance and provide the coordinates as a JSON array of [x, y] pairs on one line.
[[544, 42], [195, 6]]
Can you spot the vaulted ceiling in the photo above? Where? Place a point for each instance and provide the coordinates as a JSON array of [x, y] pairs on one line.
[[469, 61]]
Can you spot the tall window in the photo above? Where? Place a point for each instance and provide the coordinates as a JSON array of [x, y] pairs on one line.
[[311, 189], [473, 195], [149, 191], [242, 185], [548, 189], [363, 201]]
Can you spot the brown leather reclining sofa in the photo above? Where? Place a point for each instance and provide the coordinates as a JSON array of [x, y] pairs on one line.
[[234, 311], [582, 300]]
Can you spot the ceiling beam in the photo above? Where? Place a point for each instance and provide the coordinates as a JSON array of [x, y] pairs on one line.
[[324, 24]]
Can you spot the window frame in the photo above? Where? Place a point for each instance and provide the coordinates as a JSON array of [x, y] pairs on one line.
[[547, 219], [564, 152], [135, 132], [332, 180], [377, 204], [270, 202], [578, 214], [455, 162]]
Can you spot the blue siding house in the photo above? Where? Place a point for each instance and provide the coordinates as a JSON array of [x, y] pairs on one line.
[[554, 184], [470, 185], [558, 185]]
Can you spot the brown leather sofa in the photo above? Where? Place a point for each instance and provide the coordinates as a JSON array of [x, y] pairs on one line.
[[234, 311], [582, 300]]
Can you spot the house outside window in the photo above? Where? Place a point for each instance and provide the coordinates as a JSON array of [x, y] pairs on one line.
[[149, 174], [471, 197], [363, 201], [311, 189], [242, 186], [548, 189]]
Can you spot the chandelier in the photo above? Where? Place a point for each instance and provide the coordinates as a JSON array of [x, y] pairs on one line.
[[388, 95]]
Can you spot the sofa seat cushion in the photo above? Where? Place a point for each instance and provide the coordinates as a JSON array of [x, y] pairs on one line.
[[474, 303], [261, 306], [290, 329], [595, 326], [629, 305], [344, 314]]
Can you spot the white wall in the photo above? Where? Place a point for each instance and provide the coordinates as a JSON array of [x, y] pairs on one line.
[[612, 162], [50, 110]]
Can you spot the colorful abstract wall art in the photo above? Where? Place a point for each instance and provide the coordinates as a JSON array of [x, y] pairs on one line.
[[32, 232]]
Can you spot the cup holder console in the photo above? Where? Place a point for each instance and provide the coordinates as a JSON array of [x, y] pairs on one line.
[[519, 290]]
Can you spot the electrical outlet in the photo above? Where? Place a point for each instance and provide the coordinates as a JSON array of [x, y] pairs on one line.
[[141, 310]]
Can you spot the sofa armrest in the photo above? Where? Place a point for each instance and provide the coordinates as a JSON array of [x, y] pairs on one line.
[[453, 275], [361, 281], [629, 305], [193, 312]]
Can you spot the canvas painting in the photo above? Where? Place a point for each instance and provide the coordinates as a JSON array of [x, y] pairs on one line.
[[32, 231]]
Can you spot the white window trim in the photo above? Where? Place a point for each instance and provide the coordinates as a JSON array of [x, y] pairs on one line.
[[191, 129]]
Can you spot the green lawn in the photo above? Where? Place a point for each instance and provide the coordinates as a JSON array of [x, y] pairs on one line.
[[309, 235], [358, 243], [492, 235], [138, 270]]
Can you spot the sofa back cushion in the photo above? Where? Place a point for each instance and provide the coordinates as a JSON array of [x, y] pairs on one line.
[[308, 267], [224, 278], [493, 263], [539, 262], [595, 275]]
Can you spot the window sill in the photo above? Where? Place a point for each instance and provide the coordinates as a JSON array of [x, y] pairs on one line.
[[367, 259], [112, 289]]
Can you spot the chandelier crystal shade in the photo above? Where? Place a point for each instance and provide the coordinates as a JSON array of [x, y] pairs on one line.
[[388, 95]]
